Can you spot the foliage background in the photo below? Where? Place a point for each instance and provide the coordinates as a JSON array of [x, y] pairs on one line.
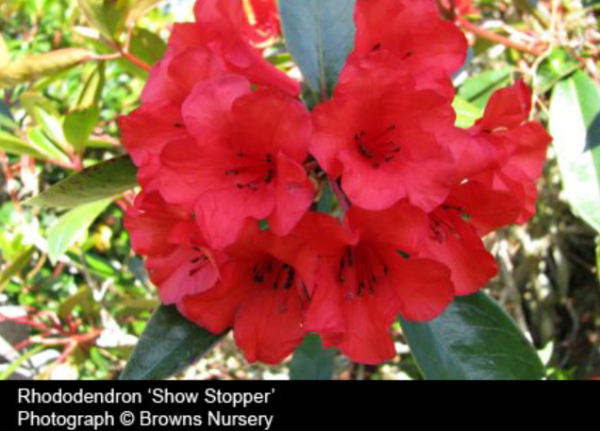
[[74, 298]]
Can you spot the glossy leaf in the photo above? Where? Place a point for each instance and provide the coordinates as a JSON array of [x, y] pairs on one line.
[[33, 67], [169, 344], [320, 35], [104, 180], [574, 116], [311, 361], [474, 339], [72, 226]]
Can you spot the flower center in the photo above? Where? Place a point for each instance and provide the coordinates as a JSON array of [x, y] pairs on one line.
[[250, 171], [441, 222], [280, 277], [361, 267], [199, 261], [377, 148]]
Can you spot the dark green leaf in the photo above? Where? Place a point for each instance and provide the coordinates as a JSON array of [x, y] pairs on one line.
[[311, 361], [320, 35], [104, 180], [169, 344], [473, 340]]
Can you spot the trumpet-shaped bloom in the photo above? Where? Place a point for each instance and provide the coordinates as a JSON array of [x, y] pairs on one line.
[[380, 135], [245, 161]]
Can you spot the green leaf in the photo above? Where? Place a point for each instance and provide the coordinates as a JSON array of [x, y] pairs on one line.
[[311, 361], [13, 145], [91, 92], [574, 114], [320, 36], [72, 226], [169, 344], [466, 113], [479, 88], [16, 266], [474, 339], [33, 67], [146, 46], [14, 366], [46, 146], [79, 125], [139, 8], [557, 66], [104, 180], [4, 57], [106, 16]]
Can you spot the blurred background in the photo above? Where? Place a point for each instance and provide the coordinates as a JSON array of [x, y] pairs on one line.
[[74, 298]]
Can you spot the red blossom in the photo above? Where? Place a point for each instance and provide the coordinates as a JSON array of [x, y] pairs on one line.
[[369, 273], [179, 262], [245, 160], [261, 295], [379, 134], [222, 143], [413, 30]]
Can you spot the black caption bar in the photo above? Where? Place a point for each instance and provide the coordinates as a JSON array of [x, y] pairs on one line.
[[218, 405]]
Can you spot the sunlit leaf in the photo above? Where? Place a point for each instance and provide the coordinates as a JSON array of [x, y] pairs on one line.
[[104, 180], [33, 67], [466, 113], [78, 126], [13, 145], [16, 266], [72, 226], [574, 124]]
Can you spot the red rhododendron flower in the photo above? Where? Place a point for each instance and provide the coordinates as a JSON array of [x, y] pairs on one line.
[[261, 295], [378, 133], [222, 143], [521, 147], [225, 27], [413, 30], [455, 242], [263, 19], [245, 162], [179, 263], [369, 275]]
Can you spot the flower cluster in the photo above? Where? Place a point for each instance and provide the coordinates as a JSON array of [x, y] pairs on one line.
[[232, 164]]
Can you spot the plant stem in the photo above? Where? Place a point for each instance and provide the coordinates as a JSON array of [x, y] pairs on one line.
[[494, 37]]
